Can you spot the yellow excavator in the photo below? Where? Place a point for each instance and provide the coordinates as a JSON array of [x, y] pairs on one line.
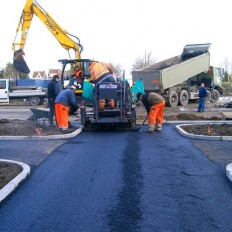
[[30, 9]]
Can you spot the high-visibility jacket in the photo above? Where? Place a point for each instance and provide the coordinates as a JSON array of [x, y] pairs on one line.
[[98, 69], [79, 74]]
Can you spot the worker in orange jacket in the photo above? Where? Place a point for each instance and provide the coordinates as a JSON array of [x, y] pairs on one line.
[[79, 74], [102, 72], [77, 77], [154, 104]]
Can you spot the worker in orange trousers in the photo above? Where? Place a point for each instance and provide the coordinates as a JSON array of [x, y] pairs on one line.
[[154, 104]]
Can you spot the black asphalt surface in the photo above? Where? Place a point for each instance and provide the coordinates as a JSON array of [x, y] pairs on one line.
[[121, 181]]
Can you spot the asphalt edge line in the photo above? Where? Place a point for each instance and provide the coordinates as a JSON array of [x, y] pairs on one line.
[[11, 186], [45, 137]]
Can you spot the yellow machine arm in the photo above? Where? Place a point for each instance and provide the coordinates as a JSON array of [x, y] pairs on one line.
[[32, 7]]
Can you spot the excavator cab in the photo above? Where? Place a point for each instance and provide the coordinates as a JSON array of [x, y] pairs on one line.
[[68, 76]]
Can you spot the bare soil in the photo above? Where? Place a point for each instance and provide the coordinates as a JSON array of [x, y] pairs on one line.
[[8, 171], [26, 128], [188, 113], [209, 129]]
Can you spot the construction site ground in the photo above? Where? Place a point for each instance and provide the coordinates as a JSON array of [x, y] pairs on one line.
[[215, 112]]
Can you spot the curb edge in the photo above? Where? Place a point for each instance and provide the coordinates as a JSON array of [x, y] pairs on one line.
[[11, 186]]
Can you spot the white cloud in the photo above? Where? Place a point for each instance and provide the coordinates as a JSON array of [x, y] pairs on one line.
[[120, 31]]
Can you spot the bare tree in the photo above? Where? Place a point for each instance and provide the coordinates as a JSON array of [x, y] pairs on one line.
[[11, 72], [2, 73], [227, 66], [143, 62], [116, 67]]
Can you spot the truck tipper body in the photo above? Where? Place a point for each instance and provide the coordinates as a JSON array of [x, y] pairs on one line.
[[33, 94], [178, 78]]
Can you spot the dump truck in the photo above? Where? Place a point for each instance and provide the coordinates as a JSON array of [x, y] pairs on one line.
[[178, 78], [34, 95]]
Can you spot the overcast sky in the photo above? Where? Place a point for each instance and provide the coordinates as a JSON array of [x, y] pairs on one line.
[[120, 31]]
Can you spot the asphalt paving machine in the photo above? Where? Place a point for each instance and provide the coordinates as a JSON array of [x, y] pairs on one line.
[[123, 115]]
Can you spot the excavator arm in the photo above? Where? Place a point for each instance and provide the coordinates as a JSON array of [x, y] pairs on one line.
[[32, 8]]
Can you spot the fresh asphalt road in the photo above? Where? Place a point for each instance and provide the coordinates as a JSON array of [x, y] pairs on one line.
[[122, 181]]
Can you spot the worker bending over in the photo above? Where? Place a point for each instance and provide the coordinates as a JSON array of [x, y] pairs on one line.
[[102, 72], [65, 99], [154, 104]]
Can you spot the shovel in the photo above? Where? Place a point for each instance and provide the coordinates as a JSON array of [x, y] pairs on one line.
[[137, 128]]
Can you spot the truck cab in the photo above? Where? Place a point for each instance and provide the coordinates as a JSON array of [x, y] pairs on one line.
[[34, 95], [4, 91]]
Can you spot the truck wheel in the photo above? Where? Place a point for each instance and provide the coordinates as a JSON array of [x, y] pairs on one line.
[[208, 98], [183, 98], [34, 101], [215, 95], [173, 99], [41, 102]]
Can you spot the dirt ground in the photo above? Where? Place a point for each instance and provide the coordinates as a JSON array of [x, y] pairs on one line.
[[180, 113], [27, 128], [209, 129]]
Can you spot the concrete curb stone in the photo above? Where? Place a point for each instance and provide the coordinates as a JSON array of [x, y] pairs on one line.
[[202, 137], [229, 171], [10, 187], [205, 137]]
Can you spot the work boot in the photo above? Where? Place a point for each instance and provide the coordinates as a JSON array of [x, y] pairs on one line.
[[150, 128], [158, 127]]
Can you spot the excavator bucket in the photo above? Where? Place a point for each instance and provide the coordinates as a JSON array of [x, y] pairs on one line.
[[19, 62]]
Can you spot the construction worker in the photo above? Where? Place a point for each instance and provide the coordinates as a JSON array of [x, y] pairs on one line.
[[102, 72], [53, 91], [202, 95], [79, 74], [64, 100], [154, 104]]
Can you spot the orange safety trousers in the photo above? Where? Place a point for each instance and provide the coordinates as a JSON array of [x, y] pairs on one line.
[[102, 103], [155, 115], [61, 115]]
